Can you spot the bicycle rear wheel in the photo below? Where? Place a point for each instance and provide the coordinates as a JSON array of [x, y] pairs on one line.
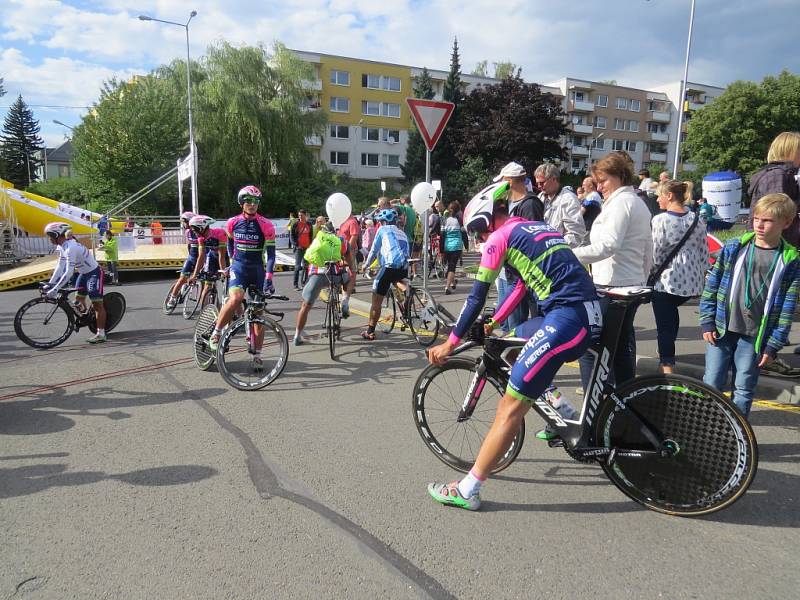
[[236, 362], [388, 314], [204, 357], [192, 300], [438, 398], [44, 323], [421, 317], [166, 306], [332, 321], [713, 454], [115, 306]]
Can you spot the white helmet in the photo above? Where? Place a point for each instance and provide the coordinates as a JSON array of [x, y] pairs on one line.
[[478, 214], [187, 216], [57, 229], [200, 222]]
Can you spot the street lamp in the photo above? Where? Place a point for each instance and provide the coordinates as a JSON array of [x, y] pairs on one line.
[[193, 14], [63, 125], [589, 160], [683, 94]]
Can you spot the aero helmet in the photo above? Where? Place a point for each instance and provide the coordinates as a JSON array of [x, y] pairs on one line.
[[200, 222], [479, 211], [249, 192], [57, 229], [387, 214]]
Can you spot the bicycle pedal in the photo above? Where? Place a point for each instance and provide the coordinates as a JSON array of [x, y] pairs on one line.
[[556, 443]]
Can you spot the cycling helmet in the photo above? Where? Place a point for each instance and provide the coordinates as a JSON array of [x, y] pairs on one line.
[[187, 216], [200, 222], [479, 211], [389, 215], [57, 229], [329, 227], [249, 193]]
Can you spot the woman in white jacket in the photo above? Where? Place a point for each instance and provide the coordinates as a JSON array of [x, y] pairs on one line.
[[620, 250]]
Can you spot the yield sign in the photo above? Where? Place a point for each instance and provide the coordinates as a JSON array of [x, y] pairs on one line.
[[430, 117]]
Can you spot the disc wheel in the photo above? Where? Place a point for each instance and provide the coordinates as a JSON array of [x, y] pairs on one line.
[[191, 300], [388, 314], [421, 318], [115, 306], [44, 323], [711, 454], [235, 362], [438, 398], [203, 328]]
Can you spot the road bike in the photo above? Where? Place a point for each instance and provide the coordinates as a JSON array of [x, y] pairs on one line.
[[204, 326], [238, 344], [668, 442], [333, 311], [414, 304], [191, 300], [48, 322], [436, 266], [183, 293]]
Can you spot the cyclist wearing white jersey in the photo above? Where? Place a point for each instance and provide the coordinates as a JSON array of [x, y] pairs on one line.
[[72, 257]]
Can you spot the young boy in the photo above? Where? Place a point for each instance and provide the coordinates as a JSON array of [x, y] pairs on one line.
[[747, 305]]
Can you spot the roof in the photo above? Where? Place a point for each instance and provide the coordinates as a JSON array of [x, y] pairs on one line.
[[61, 154]]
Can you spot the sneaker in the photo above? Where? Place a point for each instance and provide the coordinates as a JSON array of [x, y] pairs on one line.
[[447, 494], [97, 338], [547, 434], [447, 291], [297, 340], [213, 342], [172, 302], [778, 368], [258, 364], [345, 309]]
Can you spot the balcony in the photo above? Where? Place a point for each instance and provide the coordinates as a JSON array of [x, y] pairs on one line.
[[580, 151], [315, 85], [580, 106], [658, 157], [314, 140], [308, 107], [693, 105], [659, 137], [581, 128], [658, 116]]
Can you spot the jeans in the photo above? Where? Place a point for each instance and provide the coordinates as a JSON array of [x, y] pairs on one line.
[[624, 366], [300, 274], [737, 351], [519, 314], [665, 310]]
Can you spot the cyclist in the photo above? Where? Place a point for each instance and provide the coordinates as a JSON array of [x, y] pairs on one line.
[[212, 245], [326, 247], [569, 315], [74, 257], [251, 236], [392, 249], [191, 260]]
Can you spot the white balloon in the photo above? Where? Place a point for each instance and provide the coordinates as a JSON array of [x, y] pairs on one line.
[[339, 208], [423, 196]]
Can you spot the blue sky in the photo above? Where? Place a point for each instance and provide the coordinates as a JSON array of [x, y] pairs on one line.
[[56, 53]]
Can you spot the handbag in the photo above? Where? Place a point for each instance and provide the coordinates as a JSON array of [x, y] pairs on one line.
[[655, 273]]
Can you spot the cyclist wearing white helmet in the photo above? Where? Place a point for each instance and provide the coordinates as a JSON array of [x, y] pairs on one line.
[[250, 238], [191, 260], [569, 316], [72, 257], [212, 243]]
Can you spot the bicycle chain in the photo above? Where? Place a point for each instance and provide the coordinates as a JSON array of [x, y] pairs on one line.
[[574, 455]]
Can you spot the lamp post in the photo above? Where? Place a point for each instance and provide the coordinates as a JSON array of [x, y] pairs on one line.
[[193, 14], [683, 94], [589, 160], [63, 125]]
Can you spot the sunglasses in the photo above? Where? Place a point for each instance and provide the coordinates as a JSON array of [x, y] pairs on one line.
[[250, 200]]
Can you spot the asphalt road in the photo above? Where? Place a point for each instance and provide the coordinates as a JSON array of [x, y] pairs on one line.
[[125, 472]]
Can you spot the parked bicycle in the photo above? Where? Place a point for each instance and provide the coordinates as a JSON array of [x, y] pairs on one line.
[[183, 293], [48, 322], [669, 442], [202, 291]]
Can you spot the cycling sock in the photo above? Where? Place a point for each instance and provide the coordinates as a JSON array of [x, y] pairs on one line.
[[470, 485], [101, 331], [216, 331]]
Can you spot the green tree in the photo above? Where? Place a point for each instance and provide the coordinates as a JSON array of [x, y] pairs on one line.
[[506, 69], [443, 157], [414, 167], [481, 69], [70, 190], [735, 131], [20, 144]]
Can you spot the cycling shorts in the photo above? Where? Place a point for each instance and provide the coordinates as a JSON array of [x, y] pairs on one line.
[[561, 335], [212, 264], [188, 266], [245, 275], [386, 277], [318, 282], [91, 284]]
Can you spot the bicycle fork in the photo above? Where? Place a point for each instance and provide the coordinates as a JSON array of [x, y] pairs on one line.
[[473, 393]]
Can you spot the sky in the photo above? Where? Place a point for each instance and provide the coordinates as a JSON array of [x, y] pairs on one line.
[[57, 53]]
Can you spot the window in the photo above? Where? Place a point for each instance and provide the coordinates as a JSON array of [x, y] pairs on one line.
[[600, 122], [635, 105], [369, 107], [656, 128], [578, 96], [657, 105], [339, 104], [63, 170], [372, 82], [577, 120], [619, 124], [391, 135], [622, 103], [340, 132], [630, 146], [340, 158], [369, 160], [391, 83], [578, 140], [598, 143], [390, 109], [655, 147], [633, 125], [601, 100], [576, 163], [340, 77], [391, 161], [370, 134], [616, 144]]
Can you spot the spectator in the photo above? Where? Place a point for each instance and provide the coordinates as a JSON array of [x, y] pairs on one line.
[[156, 229], [620, 251], [562, 210], [129, 224], [111, 250], [103, 225], [319, 223], [350, 231], [591, 205], [580, 193], [706, 211], [367, 235], [301, 238], [646, 183], [452, 244], [749, 300], [663, 177], [684, 276], [292, 221]]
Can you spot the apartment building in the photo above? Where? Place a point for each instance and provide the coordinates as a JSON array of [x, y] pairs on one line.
[[368, 119]]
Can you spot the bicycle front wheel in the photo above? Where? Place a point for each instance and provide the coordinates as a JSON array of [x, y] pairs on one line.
[[711, 454], [421, 317], [192, 300], [203, 328], [439, 395], [44, 323], [388, 314], [166, 307], [332, 322], [236, 362]]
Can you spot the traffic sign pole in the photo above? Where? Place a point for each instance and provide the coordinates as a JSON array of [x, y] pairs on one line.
[[425, 232]]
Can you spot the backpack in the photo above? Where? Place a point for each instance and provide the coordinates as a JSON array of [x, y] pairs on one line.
[[325, 247]]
